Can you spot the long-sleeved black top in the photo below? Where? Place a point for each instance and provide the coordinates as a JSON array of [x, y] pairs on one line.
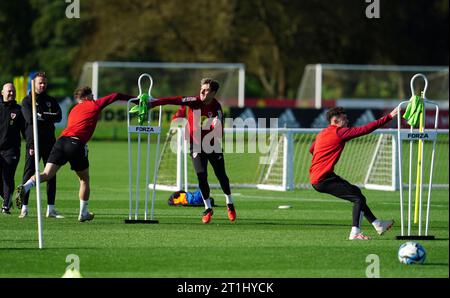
[[12, 124]]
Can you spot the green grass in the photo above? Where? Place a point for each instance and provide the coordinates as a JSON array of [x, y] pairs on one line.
[[308, 240]]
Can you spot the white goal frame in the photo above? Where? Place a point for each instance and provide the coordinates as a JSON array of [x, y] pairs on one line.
[[286, 138], [318, 70]]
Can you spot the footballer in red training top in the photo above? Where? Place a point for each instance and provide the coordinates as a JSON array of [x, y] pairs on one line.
[[326, 150]]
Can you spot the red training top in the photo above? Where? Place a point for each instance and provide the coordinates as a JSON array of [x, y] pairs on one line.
[[84, 116], [330, 143], [202, 118]]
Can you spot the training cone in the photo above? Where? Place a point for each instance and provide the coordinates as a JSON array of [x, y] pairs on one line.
[[72, 274]]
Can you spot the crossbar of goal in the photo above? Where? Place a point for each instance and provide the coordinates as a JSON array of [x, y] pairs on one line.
[[96, 65]]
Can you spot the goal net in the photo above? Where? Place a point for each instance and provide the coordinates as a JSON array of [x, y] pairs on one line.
[[170, 79], [283, 164], [367, 86]]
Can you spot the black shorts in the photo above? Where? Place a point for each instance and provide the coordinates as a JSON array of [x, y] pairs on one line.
[[67, 149]]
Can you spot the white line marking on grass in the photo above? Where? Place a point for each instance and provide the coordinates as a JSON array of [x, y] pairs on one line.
[[320, 200], [288, 198]]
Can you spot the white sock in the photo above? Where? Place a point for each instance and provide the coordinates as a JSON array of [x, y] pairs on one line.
[[355, 230], [376, 222], [229, 199], [24, 208], [28, 185], [207, 203], [83, 207], [50, 208]]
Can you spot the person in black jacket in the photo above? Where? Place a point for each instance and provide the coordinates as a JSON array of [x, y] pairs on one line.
[[12, 125], [48, 113]]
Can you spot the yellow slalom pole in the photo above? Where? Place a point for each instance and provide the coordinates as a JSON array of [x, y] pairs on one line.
[[419, 164]]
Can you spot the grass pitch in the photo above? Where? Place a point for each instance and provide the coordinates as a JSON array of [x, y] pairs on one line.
[[307, 240]]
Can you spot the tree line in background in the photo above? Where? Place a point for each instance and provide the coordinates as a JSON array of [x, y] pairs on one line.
[[275, 39]]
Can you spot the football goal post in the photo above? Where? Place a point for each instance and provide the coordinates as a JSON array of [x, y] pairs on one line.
[[366, 86], [368, 161], [106, 77]]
